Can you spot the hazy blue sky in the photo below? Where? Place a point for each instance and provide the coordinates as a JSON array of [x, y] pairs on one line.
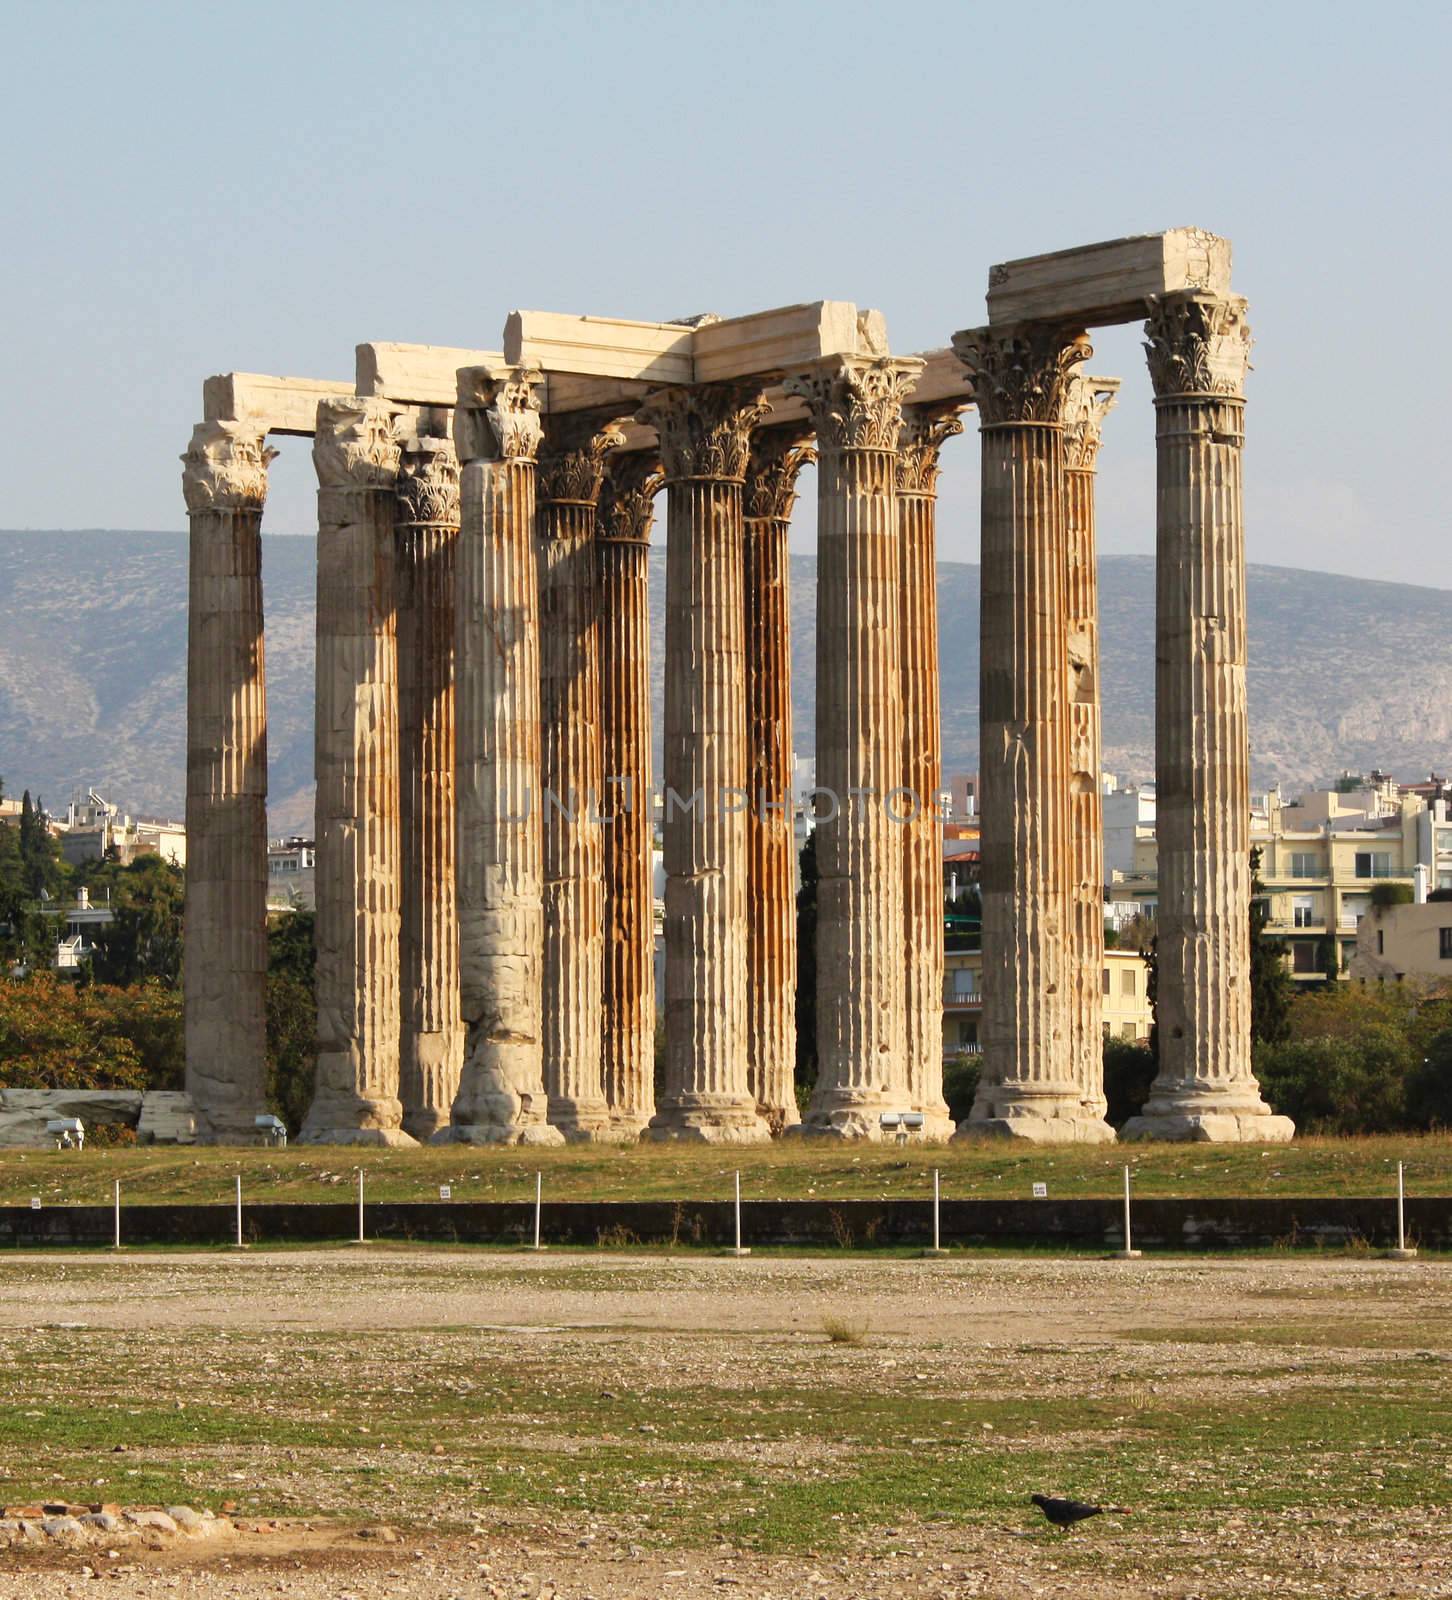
[[196, 188]]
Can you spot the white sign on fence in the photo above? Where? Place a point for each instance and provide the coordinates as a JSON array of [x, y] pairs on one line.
[[1041, 1191], [445, 1192], [35, 1202]]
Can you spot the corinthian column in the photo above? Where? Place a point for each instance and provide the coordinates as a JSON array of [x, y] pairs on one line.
[[431, 1040], [704, 438], [224, 479], [571, 464], [856, 406], [627, 1011], [1086, 404], [777, 456], [1029, 1088], [501, 1098], [1199, 348], [355, 1100], [924, 430]]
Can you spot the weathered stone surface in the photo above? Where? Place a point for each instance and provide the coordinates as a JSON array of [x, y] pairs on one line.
[[1096, 284], [224, 479], [856, 406], [1028, 1089], [778, 455], [167, 1117], [355, 1101], [571, 465], [925, 429], [268, 404], [415, 374], [627, 1058], [501, 1098], [1199, 347], [1086, 403], [431, 1037], [704, 436]]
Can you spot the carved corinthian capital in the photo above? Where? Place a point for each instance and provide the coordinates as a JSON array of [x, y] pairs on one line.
[[1020, 370], [777, 456], [357, 444], [497, 415], [924, 428], [428, 484], [1197, 344], [1087, 401], [572, 455], [856, 403], [627, 499], [225, 467], [706, 432]]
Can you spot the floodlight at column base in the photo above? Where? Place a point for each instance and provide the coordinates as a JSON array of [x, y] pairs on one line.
[[933, 1254], [1126, 1255], [1399, 1255], [737, 1250]]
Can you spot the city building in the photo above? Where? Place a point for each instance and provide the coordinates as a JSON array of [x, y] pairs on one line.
[[1405, 944], [290, 882]]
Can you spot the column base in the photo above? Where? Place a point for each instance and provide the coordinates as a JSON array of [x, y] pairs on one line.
[[627, 1127], [938, 1126], [1036, 1128], [392, 1138], [422, 1126], [580, 1121], [519, 1133], [1210, 1127], [708, 1119], [781, 1120]]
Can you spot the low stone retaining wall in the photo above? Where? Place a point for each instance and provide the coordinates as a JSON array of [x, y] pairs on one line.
[[816, 1224], [160, 1116]]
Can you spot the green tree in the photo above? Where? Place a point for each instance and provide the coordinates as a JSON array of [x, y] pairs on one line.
[[40, 856], [1429, 1085], [1129, 1070], [1270, 984], [144, 939], [292, 1021]]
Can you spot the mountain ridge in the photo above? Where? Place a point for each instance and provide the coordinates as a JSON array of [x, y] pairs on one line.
[[1344, 672]]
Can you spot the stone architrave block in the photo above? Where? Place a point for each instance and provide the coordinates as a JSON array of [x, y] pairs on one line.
[[276, 405], [416, 374], [1097, 284], [599, 347]]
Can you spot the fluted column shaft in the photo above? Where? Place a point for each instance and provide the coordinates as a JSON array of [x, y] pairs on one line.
[[924, 430], [571, 464], [856, 406], [1198, 348], [431, 1039], [1029, 1088], [777, 456], [355, 1099], [225, 966], [501, 1096], [704, 436], [627, 1046], [1087, 401]]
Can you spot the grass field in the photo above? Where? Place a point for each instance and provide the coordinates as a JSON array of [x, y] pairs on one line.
[[1274, 1426], [791, 1170]]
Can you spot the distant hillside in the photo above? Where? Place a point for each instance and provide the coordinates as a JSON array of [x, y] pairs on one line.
[[1344, 672]]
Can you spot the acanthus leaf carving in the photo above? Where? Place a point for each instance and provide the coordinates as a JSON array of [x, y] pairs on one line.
[[1197, 344], [225, 467], [777, 457], [627, 498], [1087, 401], [497, 417], [357, 445], [428, 484], [924, 430], [706, 432], [1020, 370], [572, 455], [856, 403]]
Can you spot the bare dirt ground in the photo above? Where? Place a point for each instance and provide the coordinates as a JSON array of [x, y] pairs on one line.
[[609, 1426]]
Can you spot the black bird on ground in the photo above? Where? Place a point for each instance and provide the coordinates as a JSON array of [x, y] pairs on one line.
[[1065, 1513]]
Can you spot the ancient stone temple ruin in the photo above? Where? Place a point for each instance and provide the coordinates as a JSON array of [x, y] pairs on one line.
[[485, 801]]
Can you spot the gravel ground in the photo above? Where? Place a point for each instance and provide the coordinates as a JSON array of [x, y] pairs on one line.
[[1237, 1332]]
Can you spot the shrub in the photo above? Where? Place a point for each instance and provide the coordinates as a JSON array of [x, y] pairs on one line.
[[1391, 894], [1129, 1070], [960, 1084], [1338, 1085], [1429, 1085]]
